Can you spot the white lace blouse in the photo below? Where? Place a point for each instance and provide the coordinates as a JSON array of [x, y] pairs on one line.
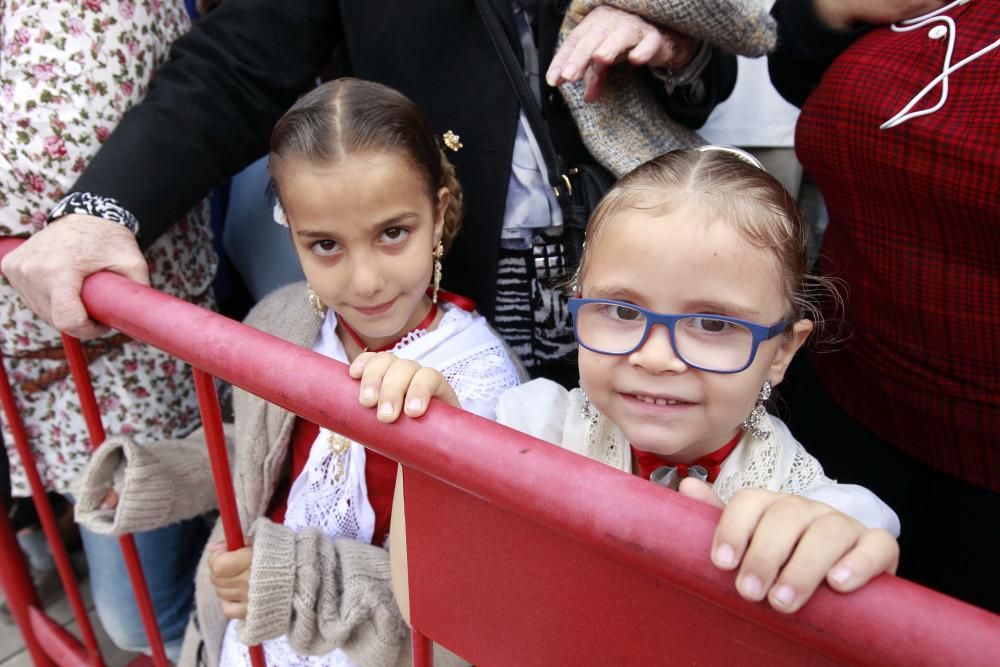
[[777, 463], [331, 494]]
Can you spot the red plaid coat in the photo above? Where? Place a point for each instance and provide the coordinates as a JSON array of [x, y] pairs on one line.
[[915, 231]]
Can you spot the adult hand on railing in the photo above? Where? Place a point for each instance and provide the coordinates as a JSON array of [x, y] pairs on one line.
[[608, 36], [842, 14], [48, 269], [230, 574], [786, 545]]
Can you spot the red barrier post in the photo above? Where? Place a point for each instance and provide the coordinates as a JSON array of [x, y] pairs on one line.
[[18, 589], [638, 525], [49, 523], [77, 361], [61, 645], [423, 655], [211, 418]]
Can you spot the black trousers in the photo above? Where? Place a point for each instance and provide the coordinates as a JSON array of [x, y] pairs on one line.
[[950, 538]]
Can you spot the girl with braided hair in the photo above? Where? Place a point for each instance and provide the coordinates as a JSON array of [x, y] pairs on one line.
[[372, 204]]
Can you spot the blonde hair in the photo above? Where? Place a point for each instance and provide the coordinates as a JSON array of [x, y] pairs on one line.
[[347, 116], [727, 187]]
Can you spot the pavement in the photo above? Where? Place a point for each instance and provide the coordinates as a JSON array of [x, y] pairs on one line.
[[13, 652]]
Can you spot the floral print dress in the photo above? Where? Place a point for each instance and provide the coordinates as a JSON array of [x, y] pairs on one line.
[[68, 71]]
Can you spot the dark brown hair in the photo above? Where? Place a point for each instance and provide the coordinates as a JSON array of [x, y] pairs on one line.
[[347, 116]]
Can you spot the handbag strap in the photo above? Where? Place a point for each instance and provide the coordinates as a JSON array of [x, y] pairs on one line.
[[553, 163]]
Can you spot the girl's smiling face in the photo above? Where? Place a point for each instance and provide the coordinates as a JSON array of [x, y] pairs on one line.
[[365, 229], [682, 262]]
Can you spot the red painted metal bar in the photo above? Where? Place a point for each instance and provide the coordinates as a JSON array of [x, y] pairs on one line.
[[133, 565], [77, 361], [211, 418], [499, 590], [18, 589], [423, 655], [61, 645], [664, 535], [48, 520]]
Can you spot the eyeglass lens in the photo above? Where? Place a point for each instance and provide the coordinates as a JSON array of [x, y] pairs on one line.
[[699, 340]]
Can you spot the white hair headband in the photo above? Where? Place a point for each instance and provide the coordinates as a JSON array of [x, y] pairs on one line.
[[735, 152]]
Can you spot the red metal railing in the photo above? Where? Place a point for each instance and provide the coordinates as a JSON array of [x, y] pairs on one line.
[[523, 553]]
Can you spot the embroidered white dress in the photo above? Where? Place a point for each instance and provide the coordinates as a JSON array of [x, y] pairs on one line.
[[777, 463], [331, 494]]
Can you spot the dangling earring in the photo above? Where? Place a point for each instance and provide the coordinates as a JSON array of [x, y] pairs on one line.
[[754, 421], [587, 410], [315, 303], [438, 254]]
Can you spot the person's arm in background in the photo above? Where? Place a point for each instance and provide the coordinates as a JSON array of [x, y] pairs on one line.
[[608, 36], [812, 33], [209, 113], [211, 107]]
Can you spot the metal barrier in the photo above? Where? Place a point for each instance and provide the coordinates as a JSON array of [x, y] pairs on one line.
[[520, 552]]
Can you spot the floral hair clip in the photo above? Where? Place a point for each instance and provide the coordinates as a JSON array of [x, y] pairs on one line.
[[279, 215], [452, 141]]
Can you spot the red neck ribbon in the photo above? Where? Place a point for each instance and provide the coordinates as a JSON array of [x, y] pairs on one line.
[[424, 323], [460, 301], [711, 462]]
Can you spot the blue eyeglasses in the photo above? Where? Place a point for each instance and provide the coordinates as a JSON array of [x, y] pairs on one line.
[[714, 343]]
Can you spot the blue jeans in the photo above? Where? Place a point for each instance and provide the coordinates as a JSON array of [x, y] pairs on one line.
[[169, 558]]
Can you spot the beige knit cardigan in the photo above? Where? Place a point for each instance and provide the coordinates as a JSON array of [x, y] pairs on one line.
[[626, 126], [323, 594]]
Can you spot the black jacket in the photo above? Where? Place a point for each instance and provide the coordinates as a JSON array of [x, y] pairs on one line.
[[806, 47], [211, 107]]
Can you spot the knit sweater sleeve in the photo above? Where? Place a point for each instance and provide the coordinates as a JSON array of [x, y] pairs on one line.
[[157, 484], [323, 595]]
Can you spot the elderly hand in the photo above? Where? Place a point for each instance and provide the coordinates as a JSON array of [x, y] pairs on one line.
[[48, 269], [842, 14], [607, 36], [785, 546]]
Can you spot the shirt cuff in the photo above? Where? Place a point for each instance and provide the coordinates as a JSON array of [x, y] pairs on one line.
[[85, 203], [686, 74]]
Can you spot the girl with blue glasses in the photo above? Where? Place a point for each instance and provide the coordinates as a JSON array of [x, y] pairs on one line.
[[691, 299]]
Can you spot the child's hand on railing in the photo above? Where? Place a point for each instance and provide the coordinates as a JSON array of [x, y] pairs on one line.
[[786, 545], [392, 383], [230, 572]]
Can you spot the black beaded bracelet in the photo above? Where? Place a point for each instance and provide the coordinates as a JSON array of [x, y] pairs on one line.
[[85, 203]]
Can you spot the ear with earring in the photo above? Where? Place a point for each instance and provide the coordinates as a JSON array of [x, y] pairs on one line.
[[315, 302], [754, 423], [438, 254]]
